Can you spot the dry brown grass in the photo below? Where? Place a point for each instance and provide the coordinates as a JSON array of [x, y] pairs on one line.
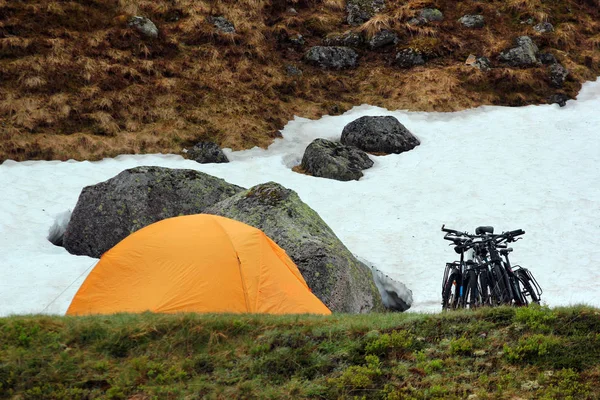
[[81, 84]]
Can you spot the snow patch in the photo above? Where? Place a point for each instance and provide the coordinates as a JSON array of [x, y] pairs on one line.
[[58, 228]]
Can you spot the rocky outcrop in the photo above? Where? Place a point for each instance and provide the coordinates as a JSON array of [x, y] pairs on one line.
[[326, 159], [144, 26], [523, 55], [472, 21], [331, 57], [222, 24], [207, 152], [109, 211], [360, 11], [333, 274], [383, 38], [379, 135], [408, 58]]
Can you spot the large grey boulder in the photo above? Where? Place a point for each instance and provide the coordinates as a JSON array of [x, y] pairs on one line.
[[379, 135], [334, 275], [206, 153], [144, 26], [327, 159], [360, 11], [331, 57], [523, 55], [109, 211]]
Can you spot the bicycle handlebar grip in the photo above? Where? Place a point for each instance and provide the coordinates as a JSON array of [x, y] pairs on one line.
[[517, 232]]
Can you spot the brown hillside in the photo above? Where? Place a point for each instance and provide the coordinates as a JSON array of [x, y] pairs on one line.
[[77, 82]]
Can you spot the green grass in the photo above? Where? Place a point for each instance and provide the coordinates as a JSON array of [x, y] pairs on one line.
[[499, 353]]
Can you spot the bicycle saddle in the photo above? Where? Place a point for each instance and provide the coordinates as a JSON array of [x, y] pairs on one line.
[[484, 229]]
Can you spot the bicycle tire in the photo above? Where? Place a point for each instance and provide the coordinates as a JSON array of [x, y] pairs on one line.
[[449, 299], [502, 296], [470, 298], [527, 287], [517, 293], [483, 287]]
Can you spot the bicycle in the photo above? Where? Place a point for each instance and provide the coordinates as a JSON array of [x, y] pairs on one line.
[[464, 276], [486, 279]]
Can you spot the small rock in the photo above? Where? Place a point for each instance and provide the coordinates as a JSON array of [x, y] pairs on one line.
[[431, 14], [292, 11], [292, 70], [408, 58], [530, 385], [558, 74], [417, 21], [558, 98], [524, 55], [144, 26], [360, 11], [349, 38], [547, 58], [481, 63], [297, 40], [222, 24], [332, 57], [544, 27], [383, 38], [528, 21], [472, 21], [206, 153]]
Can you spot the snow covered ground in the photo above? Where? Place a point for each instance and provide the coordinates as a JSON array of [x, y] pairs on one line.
[[535, 168]]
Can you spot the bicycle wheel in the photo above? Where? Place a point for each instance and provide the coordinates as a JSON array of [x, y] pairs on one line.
[[528, 293], [499, 290], [484, 282], [517, 294], [450, 294], [470, 297]]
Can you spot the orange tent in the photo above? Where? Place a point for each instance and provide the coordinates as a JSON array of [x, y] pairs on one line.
[[196, 263]]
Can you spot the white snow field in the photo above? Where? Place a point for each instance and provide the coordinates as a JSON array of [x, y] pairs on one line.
[[536, 168]]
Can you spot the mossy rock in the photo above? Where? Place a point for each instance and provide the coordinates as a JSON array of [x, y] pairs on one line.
[[109, 211], [334, 275]]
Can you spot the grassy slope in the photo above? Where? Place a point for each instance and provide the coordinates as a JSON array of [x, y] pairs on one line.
[[500, 353], [76, 82]]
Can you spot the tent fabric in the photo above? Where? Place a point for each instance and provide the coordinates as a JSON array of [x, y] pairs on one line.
[[196, 263]]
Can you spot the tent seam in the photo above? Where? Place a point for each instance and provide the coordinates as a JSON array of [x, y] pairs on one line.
[[244, 289]]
